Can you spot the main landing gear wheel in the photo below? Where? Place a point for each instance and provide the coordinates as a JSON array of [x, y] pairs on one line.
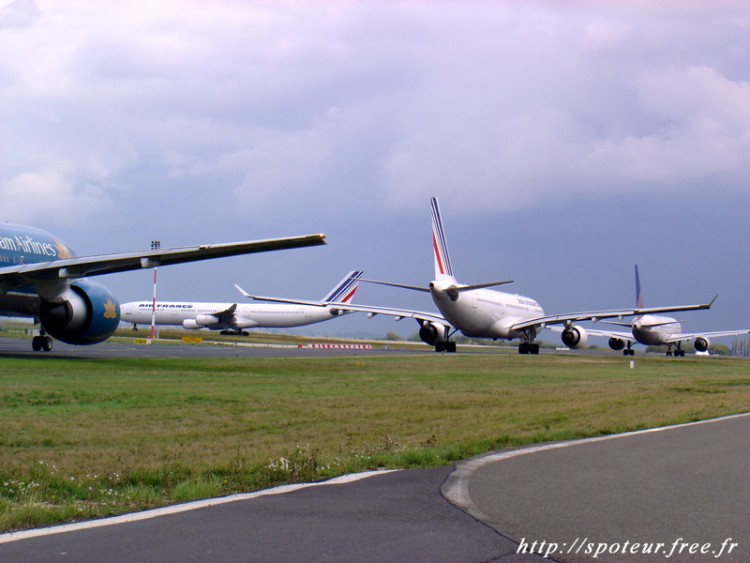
[[39, 343], [528, 348], [445, 347]]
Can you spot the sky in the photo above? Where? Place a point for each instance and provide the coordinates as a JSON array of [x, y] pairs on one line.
[[566, 141]]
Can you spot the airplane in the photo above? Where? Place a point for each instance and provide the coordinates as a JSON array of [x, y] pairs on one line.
[[652, 330], [233, 318], [41, 278], [428, 321], [479, 312]]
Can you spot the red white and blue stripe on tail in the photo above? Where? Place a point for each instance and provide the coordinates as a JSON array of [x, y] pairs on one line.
[[344, 290], [443, 268]]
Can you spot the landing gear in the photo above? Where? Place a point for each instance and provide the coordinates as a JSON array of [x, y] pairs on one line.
[[628, 351], [42, 342], [445, 347], [528, 348], [238, 332], [678, 353]]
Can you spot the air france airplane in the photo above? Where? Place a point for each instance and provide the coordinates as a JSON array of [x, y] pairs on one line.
[[41, 278], [652, 330], [231, 318], [479, 312]]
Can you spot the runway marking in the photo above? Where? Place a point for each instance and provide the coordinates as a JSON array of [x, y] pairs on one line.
[[185, 507], [456, 486]]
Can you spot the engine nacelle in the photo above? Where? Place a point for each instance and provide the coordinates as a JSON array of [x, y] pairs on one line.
[[616, 343], [87, 313], [701, 344], [432, 333], [190, 324], [575, 337], [206, 320]]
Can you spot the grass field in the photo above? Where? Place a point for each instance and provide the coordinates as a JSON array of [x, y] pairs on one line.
[[87, 438]]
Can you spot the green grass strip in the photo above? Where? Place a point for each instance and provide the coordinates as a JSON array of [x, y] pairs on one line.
[[90, 438]]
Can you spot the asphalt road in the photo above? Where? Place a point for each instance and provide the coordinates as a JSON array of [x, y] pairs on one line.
[[680, 485], [684, 487], [398, 516]]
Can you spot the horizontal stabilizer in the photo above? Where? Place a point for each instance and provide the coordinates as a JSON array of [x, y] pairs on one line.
[[401, 285], [461, 288]]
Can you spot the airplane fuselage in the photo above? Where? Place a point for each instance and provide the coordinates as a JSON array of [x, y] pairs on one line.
[[209, 315], [20, 244], [653, 330], [484, 313]]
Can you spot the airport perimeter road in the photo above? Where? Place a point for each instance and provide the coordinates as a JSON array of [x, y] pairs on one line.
[[399, 516], [687, 487]]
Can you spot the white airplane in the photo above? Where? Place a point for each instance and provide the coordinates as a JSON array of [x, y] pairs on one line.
[[653, 330], [231, 318], [41, 278], [479, 312]]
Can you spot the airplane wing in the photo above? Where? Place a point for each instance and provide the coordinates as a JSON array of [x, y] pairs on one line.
[[370, 310], [399, 314], [227, 316], [673, 339], [594, 316], [624, 336], [279, 299], [695, 335], [458, 288], [19, 275]]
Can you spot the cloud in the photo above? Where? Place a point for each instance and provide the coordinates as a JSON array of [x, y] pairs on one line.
[[699, 133], [18, 14], [336, 107], [47, 196]]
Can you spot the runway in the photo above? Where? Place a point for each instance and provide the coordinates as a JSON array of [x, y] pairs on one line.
[[20, 348], [684, 487]]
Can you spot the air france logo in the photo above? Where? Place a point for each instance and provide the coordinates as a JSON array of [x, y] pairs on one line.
[[28, 245]]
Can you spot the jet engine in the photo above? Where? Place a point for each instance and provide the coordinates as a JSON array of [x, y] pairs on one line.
[[433, 333], [87, 313], [200, 321], [575, 337], [206, 320], [616, 343], [701, 344]]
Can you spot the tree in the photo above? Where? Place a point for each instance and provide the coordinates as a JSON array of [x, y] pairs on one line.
[[741, 347]]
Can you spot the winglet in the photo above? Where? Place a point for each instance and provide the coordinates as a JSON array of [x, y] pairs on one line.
[[243, 292]]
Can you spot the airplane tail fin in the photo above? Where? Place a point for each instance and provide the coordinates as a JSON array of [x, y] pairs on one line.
[[343, 292], [638, 294], [443, 267]]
